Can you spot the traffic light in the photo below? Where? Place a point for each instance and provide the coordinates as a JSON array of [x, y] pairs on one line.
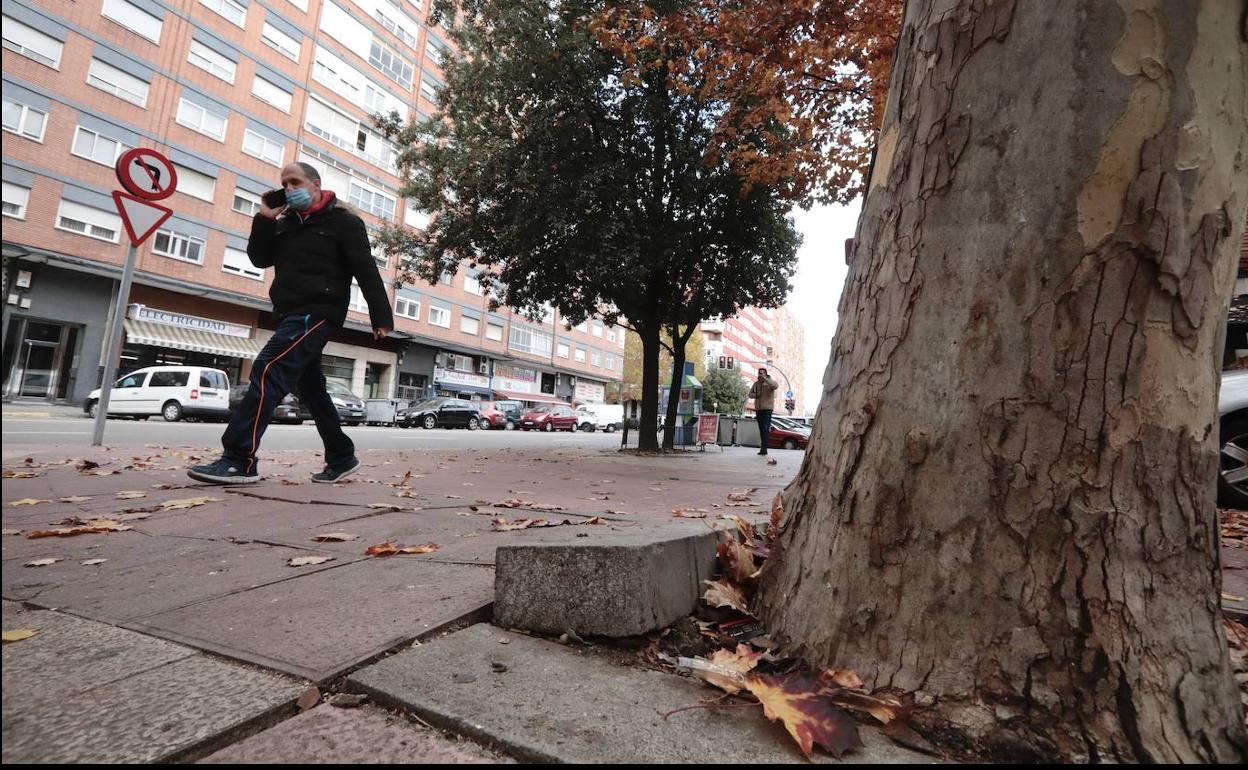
[[732, 364], [723, 362]]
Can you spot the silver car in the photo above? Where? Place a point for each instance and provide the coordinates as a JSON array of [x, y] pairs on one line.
[[1233, 434]]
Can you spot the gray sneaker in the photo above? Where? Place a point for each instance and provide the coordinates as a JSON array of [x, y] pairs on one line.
[[223, 472], [335, 473]]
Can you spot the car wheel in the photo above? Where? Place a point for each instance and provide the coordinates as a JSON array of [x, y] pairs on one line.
[[609, 429], [587, 427], [93, 409], [171, 411], [550, 427], [509, 426], [1233, 471], [473, 424], [430, 422], [790, 444]]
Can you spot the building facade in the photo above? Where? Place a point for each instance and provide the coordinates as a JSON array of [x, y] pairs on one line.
[[231, 91], [761, 337]]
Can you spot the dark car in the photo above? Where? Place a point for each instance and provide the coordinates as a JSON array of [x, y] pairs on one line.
[[290, 411], [440, 413], [500, 414], [350, 407], [549, 417]]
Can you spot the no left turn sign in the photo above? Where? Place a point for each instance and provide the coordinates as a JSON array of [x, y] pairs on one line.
[[147, 174]]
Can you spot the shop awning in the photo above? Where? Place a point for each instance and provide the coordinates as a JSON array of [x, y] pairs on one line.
[[179, 338], [536, 398]]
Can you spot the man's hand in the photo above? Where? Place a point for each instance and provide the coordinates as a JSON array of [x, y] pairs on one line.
[[269, 213], [380, 332]]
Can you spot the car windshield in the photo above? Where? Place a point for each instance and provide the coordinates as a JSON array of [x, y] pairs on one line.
[[432, 403], [543, 409], [337, 389]]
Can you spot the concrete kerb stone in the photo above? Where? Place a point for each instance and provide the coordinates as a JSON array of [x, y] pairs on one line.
[[623, 585]]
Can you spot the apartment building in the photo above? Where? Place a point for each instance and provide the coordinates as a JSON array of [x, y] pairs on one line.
[[761, 337], [230, 91]]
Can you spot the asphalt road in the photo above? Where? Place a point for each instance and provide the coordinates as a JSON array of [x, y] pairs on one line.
[[76, 431]]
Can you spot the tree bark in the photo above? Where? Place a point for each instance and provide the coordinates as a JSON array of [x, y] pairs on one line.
[[1007, 506], [673, 398], [647, 430]]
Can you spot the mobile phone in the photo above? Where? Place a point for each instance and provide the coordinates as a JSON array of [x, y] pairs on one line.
[[274, 199]]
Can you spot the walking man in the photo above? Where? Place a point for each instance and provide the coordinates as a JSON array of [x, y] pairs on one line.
[[763, 391], [315, 246]]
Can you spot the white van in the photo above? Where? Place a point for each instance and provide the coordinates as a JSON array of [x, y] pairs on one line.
[[610, 416], [172, 392]]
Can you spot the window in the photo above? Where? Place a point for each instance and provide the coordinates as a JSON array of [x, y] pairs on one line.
[[96, 147], [447, 277], [328, 123], [439, 316], [580, 355], [548, 313], [300, 4], [583, 326], [563, 351], [133, 18], [133, 381], [378, 250], [392, 63], [610, 334], [262, 147], [91, 222], [24, 120], [32, 43], [246, 202], [236, 261], [472, 284], [169, 379], [195, 184], [15, 199], [211, 379], [372, 201], [428, 90], [469, 325], [415, 217], [168, 243], [195, 117], [284, 44], [271, 94], [595, 358], [610, 362], [529, 341], [408, 308], [357, 303], [231, 10], [459, 363], [597, 329], [123, 85], [389, 18], [493, 331], [338, 369], [217, 64]]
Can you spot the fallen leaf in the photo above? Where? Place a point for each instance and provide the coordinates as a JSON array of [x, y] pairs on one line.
[[405, 493], [737, 561], [99, 472], [187, 502], [28, 501], [310, 698], [41, 562], [381, 549], [92, 526], [796, 699], [883, 707], [777, 513], [76, 499], [423, 548], [11, 532], [690, 513], [85, 465], [724, 594], [738, 497], [18, 634], [304, 561], [344, 700], [726, 669], [291, 482], [132, 494], [20, 474], [406, 478], [772, 461], [93, 562], [335, 537], [840, 677]]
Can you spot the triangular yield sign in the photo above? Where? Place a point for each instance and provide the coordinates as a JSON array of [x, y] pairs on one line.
[[140, 217]]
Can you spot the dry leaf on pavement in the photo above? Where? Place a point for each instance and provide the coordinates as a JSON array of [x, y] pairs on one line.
[[381, 549], [726, 669], [99, 472], [41, 562], [840, 677], [335, 537], [18, 634], [422, 548], [304, 561], [723, 594], [11, 532], [737, 560], [28, 501], [20, 474], [797, 700], [187, 502], [690, 513], [130, 494], [882, 706], [92, 526], [76, 499], [93, 562]]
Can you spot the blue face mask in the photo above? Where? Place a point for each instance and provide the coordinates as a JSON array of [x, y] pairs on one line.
[[299, 198]]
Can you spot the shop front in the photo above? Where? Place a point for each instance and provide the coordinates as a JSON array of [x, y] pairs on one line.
[[461, 384], [589, 391], [154, 336], [518, 383]]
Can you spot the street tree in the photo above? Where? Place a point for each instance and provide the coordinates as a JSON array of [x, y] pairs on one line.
[[1007, 507], [724, 391]]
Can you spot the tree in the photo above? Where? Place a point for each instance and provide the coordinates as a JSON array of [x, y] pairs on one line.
[[1007, 507], [724, 390], [583, 173], [633, 358]]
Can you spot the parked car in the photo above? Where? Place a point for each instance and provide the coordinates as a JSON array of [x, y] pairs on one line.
[[501, 414], [549, 417], [1233, 438], [291, 411], [350, 406], [610, 416], [787, 437], [586, 420], [790, 424], [173, 392], [441, 413]]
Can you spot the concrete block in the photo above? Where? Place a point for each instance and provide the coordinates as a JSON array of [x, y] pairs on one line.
[[620, 584]]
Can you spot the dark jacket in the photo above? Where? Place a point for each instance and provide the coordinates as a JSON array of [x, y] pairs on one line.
[[314, 260]]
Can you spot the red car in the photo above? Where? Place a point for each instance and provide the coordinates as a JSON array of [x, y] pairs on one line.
[[549, 417], [786, 437]]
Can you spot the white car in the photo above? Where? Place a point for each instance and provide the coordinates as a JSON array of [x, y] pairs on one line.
[[586, 420], [610, 416], [1233, 436], [173, 392]]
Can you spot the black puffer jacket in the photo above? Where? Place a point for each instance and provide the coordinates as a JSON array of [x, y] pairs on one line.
[[314, 260]]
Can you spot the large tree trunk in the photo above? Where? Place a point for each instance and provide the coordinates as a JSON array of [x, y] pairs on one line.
[[647, 430], [673, 398], [1008, 506]]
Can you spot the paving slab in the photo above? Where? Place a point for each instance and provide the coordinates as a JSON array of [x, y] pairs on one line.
[[324, 623], [366, 735], [80, 691], [561, 704], [618, 584]]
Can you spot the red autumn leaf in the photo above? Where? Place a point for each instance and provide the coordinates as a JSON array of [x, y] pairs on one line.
[[723, 594], [797, 700], [423, 548], [840, 677], [883, 706], [736, 561], [777, 512], [381, 549], [726, 669]]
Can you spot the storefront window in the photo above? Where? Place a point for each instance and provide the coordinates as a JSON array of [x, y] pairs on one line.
[[338, 369]]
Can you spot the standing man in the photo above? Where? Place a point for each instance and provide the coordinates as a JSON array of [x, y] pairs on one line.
[[315, 246], [763, 391]]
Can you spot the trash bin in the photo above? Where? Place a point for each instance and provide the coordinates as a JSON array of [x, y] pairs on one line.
[[381, 411], [686, 435]]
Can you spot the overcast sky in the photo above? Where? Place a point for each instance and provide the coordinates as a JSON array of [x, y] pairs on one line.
[[817, 286]]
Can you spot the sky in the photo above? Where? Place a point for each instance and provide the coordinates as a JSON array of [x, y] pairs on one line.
[[817, 286]]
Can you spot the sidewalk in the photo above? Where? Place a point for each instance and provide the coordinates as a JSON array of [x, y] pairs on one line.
[[189, 632], [35, 409]]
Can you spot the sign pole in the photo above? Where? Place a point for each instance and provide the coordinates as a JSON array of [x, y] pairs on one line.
[[114, 345]]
